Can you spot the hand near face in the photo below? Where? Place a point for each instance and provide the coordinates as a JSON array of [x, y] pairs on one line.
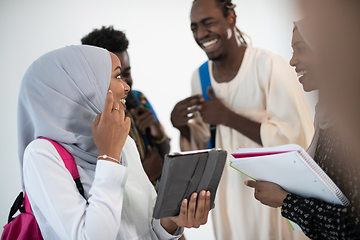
[[185, 110], [192, 214], [111, 128], [268, 193], [213, 111], [144, 119], [153, 164]]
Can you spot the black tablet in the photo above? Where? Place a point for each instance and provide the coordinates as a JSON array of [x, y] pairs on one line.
[[185, 173]]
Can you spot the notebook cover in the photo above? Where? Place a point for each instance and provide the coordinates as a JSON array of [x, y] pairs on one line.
[[185, 173]]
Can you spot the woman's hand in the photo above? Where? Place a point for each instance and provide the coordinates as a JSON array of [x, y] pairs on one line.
[[110, 128], [268, 193], [191, 214]]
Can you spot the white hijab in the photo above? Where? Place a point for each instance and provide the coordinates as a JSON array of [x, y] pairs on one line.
[[60, 95]]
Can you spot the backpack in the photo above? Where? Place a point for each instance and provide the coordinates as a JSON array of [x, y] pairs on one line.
[[205, 83], [24, 226]]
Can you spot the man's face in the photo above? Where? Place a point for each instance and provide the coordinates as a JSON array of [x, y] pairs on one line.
[[211, 30], [125, 69]]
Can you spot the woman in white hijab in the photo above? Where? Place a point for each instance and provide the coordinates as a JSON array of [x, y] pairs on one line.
[[76, 97], [317, 219]]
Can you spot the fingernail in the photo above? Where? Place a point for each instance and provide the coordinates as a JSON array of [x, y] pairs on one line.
[[208, 193], [195, 195], [203, 193], [185, 201], [246, 182], [110, 91]]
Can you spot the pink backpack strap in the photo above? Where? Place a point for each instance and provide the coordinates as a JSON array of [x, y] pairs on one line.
[[70, 165], [66, 157], [26, 204]]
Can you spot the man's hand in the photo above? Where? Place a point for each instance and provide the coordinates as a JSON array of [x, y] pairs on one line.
[[153, 164], [214, 111], [185, 110], [144, 119], [268, 193]]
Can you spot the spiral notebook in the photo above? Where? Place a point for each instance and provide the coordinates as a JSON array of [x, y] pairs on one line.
[[290, 167]]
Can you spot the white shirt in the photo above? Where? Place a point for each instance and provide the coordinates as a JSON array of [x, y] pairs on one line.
[[121, 199], [265, 90]]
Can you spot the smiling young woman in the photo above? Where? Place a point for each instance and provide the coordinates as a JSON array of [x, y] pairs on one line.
[[331, 151], [74, 96], [146, 129], [117, 85], [303, 59]]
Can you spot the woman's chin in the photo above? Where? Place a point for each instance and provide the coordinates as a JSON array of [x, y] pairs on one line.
[[307, 83], [309, 87]]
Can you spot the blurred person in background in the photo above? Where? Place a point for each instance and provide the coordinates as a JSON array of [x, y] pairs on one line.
[[254, 100], [318, 219], [146, 130], [338, 50]]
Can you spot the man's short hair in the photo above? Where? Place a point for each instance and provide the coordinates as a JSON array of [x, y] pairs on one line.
[[108, 38]]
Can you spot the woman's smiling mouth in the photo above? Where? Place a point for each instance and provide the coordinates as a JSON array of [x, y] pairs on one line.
[[123, 102]]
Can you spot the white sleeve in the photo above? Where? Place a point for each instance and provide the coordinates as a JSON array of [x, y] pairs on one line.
[[159, 231], [288, 116], [162, 234], [199, 131], [60, 210]]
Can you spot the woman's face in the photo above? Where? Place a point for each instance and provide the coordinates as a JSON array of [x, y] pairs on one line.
[[117, 84], [125, 67], [303, 60]]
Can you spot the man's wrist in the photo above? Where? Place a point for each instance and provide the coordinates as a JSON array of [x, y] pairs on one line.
[[226, 116]]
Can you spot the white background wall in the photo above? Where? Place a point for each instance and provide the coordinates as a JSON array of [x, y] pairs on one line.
[[162, 50]]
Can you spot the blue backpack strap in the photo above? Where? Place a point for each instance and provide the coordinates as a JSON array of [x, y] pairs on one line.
[[205, 79], [205, 83]]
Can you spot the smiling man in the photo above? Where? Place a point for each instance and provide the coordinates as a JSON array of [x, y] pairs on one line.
[[254, 100]]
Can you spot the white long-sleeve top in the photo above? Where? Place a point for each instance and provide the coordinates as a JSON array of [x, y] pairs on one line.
[[265, 90], [120, 199]]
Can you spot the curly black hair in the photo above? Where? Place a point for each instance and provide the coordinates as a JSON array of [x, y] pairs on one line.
[[225, 5], [108, 38]]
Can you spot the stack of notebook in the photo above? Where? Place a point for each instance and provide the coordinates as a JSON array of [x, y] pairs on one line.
[[290, 167]]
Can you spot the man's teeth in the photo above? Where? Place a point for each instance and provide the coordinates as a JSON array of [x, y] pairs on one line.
[[210, 43], [302, 73], [123, 101]]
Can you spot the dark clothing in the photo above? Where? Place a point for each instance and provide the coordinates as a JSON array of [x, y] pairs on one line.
[[321, 220]]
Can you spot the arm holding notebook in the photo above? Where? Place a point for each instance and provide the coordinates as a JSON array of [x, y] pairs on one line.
[[268, 193], [315, 217]]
